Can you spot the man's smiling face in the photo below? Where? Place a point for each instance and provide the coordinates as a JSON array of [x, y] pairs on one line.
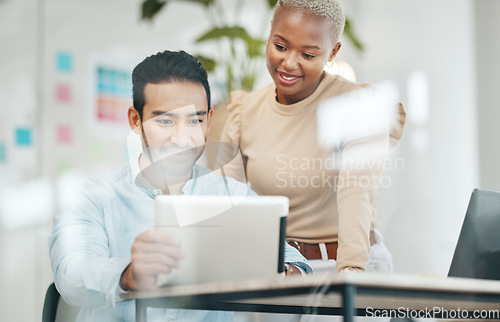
[[174, 125]]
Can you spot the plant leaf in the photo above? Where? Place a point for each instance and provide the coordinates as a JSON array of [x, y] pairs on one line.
[[254, 47], [230, 78], [150, 8], [207, 62], [248, 81], [205, 3], [349, 33], [221, 32], [271, 3]]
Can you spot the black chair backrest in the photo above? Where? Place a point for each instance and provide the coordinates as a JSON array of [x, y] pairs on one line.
[[56, 309], [50, 304]]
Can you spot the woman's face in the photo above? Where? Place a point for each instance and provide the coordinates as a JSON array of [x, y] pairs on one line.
[[298, 48]]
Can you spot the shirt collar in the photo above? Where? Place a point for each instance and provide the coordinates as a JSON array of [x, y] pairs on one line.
[[142, 182], [137, 176]]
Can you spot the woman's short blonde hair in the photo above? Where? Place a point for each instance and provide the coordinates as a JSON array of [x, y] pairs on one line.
[[329, 9]]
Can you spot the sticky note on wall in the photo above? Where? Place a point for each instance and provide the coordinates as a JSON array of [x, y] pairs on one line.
[[24, 136], [99, 150], [113, 94], [63, 93], [64, 134], [64, 165], [64, 62]]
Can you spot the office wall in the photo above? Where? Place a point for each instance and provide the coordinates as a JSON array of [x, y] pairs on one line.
[[427, 48], [488, 78], [18, 62], [438, 55], [111, 33], [58, 139], [23, 252]]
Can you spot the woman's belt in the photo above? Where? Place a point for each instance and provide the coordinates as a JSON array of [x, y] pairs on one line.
[[313, 251]]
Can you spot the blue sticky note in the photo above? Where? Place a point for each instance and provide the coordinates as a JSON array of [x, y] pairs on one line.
[[64, 62], [23, 136], [3, 153], [126, 85]]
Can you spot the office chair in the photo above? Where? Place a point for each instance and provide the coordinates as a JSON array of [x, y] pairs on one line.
[[55, 309]]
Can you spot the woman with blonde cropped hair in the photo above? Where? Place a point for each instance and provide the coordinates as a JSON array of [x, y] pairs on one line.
[[332, 219]]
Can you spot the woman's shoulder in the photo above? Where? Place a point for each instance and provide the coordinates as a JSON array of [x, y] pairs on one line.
[[240, 98], [240, 108], [242, 102], [336, 85]]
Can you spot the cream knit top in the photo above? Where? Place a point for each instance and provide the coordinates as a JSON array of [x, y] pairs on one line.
[[330, 199]]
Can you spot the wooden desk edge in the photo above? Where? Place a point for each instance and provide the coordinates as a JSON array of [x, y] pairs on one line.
[[370, 280]]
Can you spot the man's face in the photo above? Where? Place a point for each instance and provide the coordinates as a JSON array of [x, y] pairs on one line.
[[174, 126]]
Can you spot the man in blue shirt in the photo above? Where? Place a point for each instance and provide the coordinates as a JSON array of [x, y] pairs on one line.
[[103, 243]]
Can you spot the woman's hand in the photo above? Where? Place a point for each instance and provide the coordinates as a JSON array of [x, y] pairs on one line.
[[350, 269], [292, 270]]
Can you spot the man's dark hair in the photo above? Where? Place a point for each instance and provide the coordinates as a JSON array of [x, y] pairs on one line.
[[167, 67]]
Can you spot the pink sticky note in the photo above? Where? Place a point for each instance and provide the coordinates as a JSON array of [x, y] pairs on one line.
[[64, 134], [63, 93]]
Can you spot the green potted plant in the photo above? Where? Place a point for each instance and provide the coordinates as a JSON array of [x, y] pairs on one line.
[[241, 49]]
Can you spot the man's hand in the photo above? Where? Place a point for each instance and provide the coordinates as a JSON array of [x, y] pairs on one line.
[[153, 252]]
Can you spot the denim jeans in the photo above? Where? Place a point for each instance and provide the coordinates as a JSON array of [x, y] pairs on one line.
[[380, 261]]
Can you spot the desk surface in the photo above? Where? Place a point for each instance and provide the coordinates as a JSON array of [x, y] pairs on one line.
[[294, 294]]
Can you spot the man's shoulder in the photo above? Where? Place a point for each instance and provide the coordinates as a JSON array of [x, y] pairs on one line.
[[110, 176], [210, 183], [108, 181]]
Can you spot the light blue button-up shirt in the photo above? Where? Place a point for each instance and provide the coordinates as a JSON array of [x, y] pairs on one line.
[[91, 241]]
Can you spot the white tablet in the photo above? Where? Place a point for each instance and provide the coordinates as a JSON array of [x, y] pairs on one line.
[[224, 238]]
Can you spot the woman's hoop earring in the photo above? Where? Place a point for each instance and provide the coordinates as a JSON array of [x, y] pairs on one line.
[[329, 64]]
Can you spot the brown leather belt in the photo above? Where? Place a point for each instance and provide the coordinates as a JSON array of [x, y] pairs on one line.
[[312, 251]]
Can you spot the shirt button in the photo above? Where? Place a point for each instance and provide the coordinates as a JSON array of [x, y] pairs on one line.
[[155, 192]]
